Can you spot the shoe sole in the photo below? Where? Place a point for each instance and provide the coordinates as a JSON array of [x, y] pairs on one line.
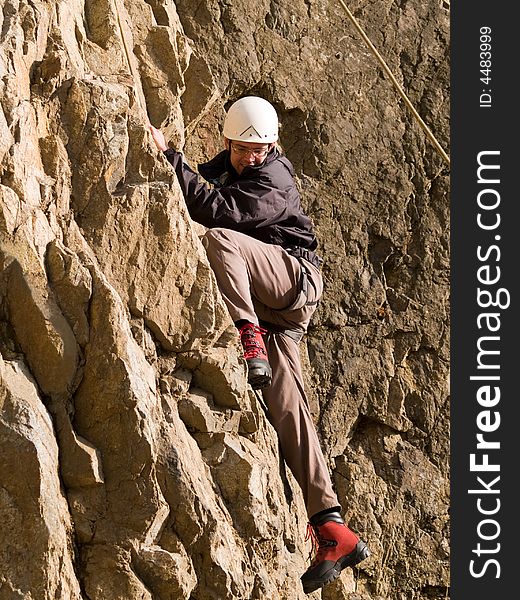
[[360, 553], [259, 381], [259, 376]]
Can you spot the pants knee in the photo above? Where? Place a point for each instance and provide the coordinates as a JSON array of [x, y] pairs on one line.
[[219, 238], [212, 237]]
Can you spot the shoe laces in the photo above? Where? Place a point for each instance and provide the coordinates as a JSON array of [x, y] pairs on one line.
[[319, 544], [251, 338]]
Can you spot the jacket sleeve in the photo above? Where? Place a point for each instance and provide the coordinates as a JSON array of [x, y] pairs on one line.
[[242, 205]]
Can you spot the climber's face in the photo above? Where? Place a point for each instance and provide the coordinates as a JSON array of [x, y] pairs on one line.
[[246, 154]]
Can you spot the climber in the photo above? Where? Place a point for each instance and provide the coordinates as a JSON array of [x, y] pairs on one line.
[[262, 249]]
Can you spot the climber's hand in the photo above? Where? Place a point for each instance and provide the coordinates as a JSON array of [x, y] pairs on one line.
[[158, 138]]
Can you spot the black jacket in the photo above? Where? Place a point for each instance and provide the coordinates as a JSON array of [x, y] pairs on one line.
[[262, 201]]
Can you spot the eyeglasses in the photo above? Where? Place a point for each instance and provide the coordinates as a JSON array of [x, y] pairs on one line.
[[256, 152]]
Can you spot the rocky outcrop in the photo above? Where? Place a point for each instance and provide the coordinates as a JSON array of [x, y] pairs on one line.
[[135, 461]]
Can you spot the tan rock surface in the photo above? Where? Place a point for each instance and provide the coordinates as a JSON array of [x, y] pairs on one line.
[[134, 461]]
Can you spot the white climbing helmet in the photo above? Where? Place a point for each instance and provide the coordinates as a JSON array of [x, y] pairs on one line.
[[251, 119]]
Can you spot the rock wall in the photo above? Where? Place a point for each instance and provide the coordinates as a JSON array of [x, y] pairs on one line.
[[135, 463]]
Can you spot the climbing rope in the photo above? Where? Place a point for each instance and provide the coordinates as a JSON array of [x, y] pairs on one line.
[[402, 93], [137, 86], [261, 402], [142, 101]]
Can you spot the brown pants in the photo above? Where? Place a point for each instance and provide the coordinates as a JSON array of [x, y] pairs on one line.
[[258, 282]]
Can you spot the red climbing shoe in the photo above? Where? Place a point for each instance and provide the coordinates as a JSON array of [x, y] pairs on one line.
[[259, 372], [336, 547]]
